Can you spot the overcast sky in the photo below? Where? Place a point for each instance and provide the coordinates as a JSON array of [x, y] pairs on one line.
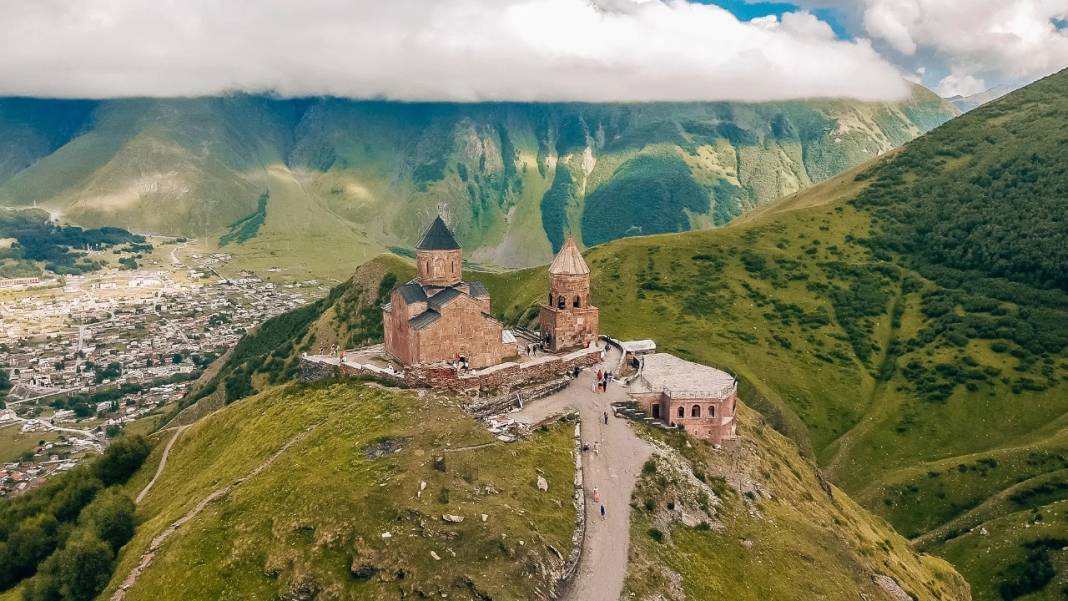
[[473, 50]]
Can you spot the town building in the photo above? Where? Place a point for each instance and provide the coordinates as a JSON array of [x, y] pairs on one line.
[[568, 319], [701, 399], [438, 317]]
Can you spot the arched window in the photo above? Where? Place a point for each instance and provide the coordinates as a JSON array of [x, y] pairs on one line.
[[711, 411], [682, 411], [560, 302], [696, 411], [577, 303]]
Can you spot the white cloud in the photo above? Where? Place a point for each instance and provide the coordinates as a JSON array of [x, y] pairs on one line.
[[960, 85], [465, 50], [1017, 40]]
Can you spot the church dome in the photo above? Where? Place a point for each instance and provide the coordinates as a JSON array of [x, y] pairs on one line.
[[569, 261]]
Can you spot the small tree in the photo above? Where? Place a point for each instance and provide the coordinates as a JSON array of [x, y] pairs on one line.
[[122, 459], [111, 517]]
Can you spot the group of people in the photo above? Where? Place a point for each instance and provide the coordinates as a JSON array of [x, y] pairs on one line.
[[460, 362], [601, 383], [535, 347]]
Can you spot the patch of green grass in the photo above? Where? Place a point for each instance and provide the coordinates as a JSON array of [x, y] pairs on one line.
[[321, 508]]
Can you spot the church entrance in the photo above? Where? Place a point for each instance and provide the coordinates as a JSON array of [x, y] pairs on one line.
[[656, 410]]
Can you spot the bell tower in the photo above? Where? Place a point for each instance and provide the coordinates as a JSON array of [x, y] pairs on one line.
[[568, 319], [439, 257]]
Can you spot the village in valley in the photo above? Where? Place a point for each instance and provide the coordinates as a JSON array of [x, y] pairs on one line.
[[88, 356]]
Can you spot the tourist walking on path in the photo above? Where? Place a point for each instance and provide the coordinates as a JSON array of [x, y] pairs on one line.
[[603, 512], [606, 418]]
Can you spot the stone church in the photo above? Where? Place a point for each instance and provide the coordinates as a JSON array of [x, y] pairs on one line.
[[439, 317]]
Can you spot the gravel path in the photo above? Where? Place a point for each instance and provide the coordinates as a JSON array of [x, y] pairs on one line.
[[162, 465], [612, 470]]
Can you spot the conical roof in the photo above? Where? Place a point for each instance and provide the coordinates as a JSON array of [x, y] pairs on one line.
[[569, 261], [438, 237]]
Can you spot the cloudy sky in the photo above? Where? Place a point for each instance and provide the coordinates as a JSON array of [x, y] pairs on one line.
[[471, 50]]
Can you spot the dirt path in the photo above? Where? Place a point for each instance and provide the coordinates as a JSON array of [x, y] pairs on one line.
[[153, 547], [612, 470], [162, 465]]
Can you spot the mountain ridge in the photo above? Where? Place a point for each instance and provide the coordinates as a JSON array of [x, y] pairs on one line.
[[513, 178]]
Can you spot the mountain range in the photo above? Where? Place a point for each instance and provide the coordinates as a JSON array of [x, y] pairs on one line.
[[904, 323], [329, 181], [899, 330]]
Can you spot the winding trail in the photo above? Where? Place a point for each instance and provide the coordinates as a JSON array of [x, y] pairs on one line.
[[157, 542], [161, 466], [613, 471]]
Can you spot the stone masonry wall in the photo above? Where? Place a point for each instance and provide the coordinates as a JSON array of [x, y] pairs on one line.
[[496, 382]]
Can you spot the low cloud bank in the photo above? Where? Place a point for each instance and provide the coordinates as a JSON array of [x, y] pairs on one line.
[[456, 50]]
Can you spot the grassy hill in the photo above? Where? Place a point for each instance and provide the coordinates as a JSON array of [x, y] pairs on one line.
[[309, 524], [323, 177], [905, 323], [318, 474]]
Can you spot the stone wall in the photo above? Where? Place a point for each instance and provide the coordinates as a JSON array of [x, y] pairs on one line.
[[569, 328], [501, 378], [502, 403], [313, 371], [439, 267], [578, 537], [496, 384], [463, 329]]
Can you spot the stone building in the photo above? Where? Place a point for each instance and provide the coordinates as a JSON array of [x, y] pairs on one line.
[[568, 319], [701, 399], [437, 316]]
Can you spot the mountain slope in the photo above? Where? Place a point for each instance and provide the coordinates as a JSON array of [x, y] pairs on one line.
[[280, 533], [682, 553], [296, 488], [514, 177], [906, 322]]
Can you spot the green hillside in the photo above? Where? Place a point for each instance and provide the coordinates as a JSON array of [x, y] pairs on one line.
[[907, 323], [366, 176], [817, 529], [897, 322], [285, 493], [318, 474]]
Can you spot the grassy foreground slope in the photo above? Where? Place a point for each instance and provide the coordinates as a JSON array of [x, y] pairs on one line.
[[310, 524], [354, 455]]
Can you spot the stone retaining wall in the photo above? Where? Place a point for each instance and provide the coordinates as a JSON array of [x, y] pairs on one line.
[[496, 405], [497, 381], [578, 537]]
